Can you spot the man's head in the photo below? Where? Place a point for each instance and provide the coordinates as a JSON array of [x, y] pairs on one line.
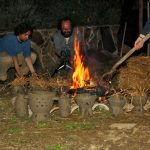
[[23, 31], [66, 27]]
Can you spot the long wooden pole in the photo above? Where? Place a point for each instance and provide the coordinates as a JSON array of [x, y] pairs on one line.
[[109, 74]]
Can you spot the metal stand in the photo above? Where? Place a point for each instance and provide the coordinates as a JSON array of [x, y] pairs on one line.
[[65, 64]]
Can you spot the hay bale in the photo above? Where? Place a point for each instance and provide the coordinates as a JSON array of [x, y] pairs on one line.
[[39, 82], [135, 76]]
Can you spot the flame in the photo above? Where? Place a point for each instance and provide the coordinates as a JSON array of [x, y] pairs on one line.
[[81, 76]]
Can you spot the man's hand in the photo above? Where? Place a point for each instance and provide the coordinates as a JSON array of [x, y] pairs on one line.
[[34, 74], [20, 74], [17, 67], [138, 43], [28, 61]]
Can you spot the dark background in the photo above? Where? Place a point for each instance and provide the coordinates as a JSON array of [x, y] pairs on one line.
[[46, 13]]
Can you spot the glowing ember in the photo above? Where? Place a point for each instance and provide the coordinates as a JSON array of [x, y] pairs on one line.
[[81, 76]]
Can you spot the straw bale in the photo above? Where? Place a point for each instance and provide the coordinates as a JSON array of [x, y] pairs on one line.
[[19, 81], [135, 76], [40, 82]]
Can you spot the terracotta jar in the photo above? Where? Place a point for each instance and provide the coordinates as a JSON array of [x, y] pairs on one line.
[[85, 102], [21, 106], [116, 103], [40, 103], [64, 105], [138, 102]]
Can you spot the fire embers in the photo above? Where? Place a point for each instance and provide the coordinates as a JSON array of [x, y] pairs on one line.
[[85, 102], [81, 75]]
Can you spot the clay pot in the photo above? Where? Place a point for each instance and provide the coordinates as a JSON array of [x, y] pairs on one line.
[[64, 106], [18, 90], [139, 102], [116, 103], [40, 103], [21, 106], [85, 102]]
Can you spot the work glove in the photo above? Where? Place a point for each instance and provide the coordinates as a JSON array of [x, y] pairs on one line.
[[138, 43]]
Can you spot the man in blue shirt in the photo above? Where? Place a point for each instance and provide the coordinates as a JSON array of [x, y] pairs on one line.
[[138, 44], [15, 51]]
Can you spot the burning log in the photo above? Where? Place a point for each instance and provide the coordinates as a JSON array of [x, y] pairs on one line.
[[95, 90]]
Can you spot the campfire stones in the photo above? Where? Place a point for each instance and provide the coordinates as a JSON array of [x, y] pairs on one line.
[[64, 105], [116, 103], [40, 103], [85, 102]]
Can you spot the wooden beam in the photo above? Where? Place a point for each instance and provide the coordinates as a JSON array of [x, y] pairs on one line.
[[140, 16]]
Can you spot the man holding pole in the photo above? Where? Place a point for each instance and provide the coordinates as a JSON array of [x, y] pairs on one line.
[[138, 43]]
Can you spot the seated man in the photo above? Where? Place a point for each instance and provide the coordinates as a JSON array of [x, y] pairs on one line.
[[64, 39], [14, 49]]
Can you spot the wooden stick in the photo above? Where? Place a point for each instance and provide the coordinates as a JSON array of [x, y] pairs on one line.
[[140, 16], [127, 55]]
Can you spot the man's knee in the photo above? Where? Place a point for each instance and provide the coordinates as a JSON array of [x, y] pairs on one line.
[[33, 57], [3, 76], [5, 64]]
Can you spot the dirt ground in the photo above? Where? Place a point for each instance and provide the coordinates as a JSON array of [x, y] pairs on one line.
[[132, 131]]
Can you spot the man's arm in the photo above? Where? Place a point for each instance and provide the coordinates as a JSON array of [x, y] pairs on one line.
[[58, 43], [16, 64], [146, 28], [138, 44], [28, 61]]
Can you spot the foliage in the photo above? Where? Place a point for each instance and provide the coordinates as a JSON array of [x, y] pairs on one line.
[[83, 125], [18, 11], [89, 12], [103, 113], [13, 130], [56, 147], [45, 14], [41, 125]]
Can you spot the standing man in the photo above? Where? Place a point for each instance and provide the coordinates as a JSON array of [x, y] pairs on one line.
[[138, 44], [15, 51]]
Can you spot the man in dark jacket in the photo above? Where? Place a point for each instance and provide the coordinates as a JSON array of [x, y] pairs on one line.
[[64, 37], [64, 43]]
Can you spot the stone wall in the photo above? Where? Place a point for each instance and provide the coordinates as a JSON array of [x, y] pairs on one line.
[[92, 35], [97, 38]]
